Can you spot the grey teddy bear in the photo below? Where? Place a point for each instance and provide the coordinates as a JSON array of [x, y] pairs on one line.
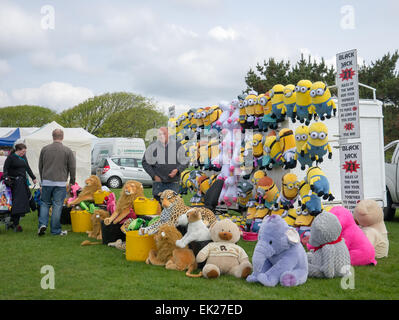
[[330, 258]]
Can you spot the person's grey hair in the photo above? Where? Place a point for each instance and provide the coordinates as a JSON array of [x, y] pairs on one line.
[[58, 134]]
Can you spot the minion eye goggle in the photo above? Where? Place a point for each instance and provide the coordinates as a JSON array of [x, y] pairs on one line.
[[292, 185], [302, 89], [288, 92], [318, 92], [272, 93]]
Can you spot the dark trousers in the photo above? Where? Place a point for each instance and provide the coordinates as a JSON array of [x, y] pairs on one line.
[[158, 187]]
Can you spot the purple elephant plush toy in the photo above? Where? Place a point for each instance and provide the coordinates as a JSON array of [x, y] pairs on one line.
[[279, 256]]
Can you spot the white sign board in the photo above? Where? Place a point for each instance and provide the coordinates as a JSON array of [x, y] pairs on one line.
[[348, 95], [172, 112], [351, 174]]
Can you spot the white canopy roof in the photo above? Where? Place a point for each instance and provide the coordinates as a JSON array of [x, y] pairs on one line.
[[77, 139]]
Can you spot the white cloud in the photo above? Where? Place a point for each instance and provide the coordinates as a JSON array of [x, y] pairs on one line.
[[44, 59], [19, 31], [221, 34], [4, 67], [54, 95]]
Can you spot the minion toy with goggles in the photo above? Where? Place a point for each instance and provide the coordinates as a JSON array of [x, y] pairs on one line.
[[289, 191], [214, 115], [244, 193], [303, 222], [184, 178], [287, 142], [317, 144], [267, 190], [301, 138], [318, 182], [289, 100], [309, 200], [257, 148], [258, 112], [262, 100], [273, 149], [268, 120], [277, 98], [249, 104], [242, 114], [288, 215], [322, 101], [303, 109]]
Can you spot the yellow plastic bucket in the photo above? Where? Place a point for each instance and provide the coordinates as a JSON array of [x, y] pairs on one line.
[[145, 206], [80, 220], [99, 196], [138, 247]]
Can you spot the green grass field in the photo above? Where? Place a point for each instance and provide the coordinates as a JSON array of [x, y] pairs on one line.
[[101, 272]]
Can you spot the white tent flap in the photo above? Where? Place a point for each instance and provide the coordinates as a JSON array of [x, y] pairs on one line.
[[77, 139]]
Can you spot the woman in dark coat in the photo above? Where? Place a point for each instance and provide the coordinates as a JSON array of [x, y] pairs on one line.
[[15, 168]]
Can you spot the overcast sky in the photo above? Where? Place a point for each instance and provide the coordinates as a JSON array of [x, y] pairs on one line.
[[188, 53]]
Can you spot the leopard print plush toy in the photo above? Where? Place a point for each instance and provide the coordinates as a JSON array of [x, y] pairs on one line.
[[173, 207]]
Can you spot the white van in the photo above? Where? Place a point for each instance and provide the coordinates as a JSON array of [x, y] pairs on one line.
[[125, 147]]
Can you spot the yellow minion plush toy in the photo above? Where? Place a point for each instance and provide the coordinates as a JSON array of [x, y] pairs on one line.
[[242, 117], [309, 200], [272, 148], [268, 191], [249, 104], [318, 182], [301, 138], [278, 107], [303, 109], [258, 174], [322, 101], [289, 191], [289, 100], [288, 146], [267, 121], [214, 114], [183, 181], [259, 112], [257, 148], [244, 189], [290, 216], [317, 144]]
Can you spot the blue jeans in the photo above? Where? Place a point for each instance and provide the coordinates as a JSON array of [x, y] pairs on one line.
[[52, 196], [158, 187]]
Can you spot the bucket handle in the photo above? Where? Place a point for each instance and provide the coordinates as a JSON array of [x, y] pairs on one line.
[[141, 198]]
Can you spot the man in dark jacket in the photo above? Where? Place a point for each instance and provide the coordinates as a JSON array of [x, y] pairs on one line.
[[56, 162], [164, 161]]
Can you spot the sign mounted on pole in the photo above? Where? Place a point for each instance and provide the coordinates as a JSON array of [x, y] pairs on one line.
[[348, 95], [351, 174]]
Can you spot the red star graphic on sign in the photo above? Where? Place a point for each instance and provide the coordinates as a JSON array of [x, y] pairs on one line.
[[349, 126], [351, 166], [347, 74]]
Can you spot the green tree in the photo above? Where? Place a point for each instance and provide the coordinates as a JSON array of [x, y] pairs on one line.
[[26, 116], [119, 114], [273, 72]]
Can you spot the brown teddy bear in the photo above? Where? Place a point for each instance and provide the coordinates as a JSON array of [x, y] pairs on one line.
[[169, 255], [368, 214], [223, 255]]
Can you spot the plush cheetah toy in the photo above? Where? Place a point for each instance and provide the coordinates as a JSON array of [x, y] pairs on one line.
[[173, 207]]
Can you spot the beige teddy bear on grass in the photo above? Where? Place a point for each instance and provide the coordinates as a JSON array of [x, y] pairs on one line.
[[370, 218], [223, 255]]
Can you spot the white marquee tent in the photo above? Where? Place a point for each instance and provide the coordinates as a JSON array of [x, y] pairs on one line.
[[78, 139]]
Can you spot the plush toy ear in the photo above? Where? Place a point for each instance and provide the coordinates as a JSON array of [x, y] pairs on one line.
[[292, 236]]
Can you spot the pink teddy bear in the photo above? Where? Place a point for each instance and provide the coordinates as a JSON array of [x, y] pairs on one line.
[[360, 248]]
